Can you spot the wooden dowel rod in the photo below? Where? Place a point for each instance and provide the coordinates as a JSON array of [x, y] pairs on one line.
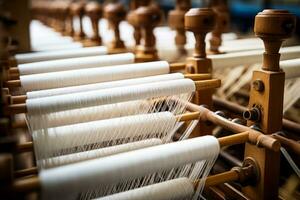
[[26, 172], [14, 70], [200, 85], [207, 84], [238, 109], [26, 185], [188, 116], [14, 76], [239, 138], [288, 143], [217, 179], [25, 147], [255, 137], [177, 67], [19, 124], [230, 158], [18, 99], [196, 77], [13, 83], [15, 109], [33, 183]]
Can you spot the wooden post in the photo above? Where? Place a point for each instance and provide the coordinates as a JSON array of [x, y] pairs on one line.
[[222, 25], [148, 17], [19, 11], [176, 22], [115, 13], [266, 99], [200, 21], [78, 10], [131, 18], [94, 11]]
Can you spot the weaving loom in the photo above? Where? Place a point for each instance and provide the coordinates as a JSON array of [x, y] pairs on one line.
[[105, 101]]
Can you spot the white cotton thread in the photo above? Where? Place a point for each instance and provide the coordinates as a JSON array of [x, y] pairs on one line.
[[96, 153], [57, 141], [176, 189], [109, 96], [75, 63], [60, 54], [88, 114], [69, 180], [105, 85], [92, 75]]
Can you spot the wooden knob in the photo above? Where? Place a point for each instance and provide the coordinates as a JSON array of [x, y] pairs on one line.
[[273, 26], [94, 11], [147, 18], [222, 25], [176, 20], [115, 13], [200, 21], [77, 9]]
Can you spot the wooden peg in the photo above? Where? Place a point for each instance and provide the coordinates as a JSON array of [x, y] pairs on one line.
[[77, 9], [222, 25], [115, 13], [176, 22], [131, 18], [272, 26], [94, 11], [148, 17], [200, 21]]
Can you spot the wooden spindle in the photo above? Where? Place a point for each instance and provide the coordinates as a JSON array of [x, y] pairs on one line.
[[266, 99], [200, 21], [176, 22], [147, 18], [115, 13], [94, 11], [77, 9]]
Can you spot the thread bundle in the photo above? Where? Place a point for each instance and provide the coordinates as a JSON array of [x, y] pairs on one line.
[[127, 125]]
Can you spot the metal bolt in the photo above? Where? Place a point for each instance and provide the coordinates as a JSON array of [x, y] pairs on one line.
[[252, 114], [258, 85]]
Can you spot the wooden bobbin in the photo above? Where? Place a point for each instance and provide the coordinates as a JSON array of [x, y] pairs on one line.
[[77, 9], [94, 10], [222, 25], [115, 13], [266, 99], [176, 22], [131, 18], [148, 17], [200, 21]]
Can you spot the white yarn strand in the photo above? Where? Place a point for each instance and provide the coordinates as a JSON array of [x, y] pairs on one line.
[[105, 85], [176, 189], [92, 75], [69, 180], [60, 54], [75, 63], [97, 153], [109, 96]]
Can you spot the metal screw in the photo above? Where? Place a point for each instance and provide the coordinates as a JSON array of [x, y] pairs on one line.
[[258, 85]]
